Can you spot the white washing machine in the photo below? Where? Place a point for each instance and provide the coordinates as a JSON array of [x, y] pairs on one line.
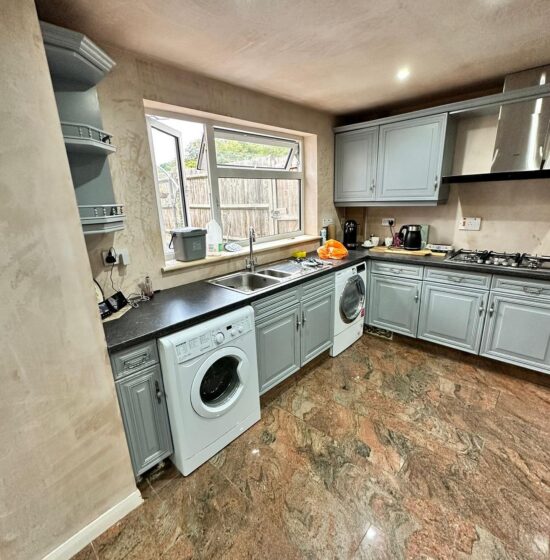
[[349, 307], [211, 381]]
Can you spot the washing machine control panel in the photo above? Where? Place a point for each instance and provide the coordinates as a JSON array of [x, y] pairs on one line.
[[209, 339]]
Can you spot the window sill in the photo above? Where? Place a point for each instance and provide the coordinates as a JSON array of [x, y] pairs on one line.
[[173, 265]]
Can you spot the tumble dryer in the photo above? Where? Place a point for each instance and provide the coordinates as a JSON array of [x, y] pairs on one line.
[[349, 306]]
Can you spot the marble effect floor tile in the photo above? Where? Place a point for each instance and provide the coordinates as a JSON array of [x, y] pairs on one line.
[[392, 450]]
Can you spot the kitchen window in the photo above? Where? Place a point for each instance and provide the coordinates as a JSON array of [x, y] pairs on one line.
[[240, 177]]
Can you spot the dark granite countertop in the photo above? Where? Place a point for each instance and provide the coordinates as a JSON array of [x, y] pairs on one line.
[[438, 261], [177, 308]]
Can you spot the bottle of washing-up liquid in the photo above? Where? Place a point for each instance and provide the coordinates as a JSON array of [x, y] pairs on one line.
[[214, 238]]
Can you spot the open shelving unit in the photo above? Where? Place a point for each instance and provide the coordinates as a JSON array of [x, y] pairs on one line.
[[87, 139], [76, 66]]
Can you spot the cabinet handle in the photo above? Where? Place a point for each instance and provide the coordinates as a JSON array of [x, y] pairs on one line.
[[481, 307], [136, 362], [436, 182], [456, 278], [303, 317], [416, 296], [532, 290], [396, 270], [298, 324], [492, 309], [158, 392], [372, 185]]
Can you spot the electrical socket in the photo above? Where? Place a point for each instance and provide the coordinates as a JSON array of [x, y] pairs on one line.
[[470, 224], [386, 221], [121, 255], [327, 221]]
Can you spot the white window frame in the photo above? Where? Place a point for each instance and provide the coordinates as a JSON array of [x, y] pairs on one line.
[[216, 172], [153, 123]]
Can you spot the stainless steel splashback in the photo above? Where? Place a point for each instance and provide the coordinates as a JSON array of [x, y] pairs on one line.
[[522, 141]]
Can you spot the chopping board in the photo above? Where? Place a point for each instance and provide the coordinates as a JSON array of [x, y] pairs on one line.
[[398, 251]]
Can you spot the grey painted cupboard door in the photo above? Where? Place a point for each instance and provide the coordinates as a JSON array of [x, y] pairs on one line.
[[355, 165], [394, 304], [410, 158], [278, 346], [518, 332], [452, 316], [145, 418], [317, 325]]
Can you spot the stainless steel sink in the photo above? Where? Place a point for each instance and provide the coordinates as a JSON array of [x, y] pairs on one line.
[[267, 276], [245, 282], [276, 273]]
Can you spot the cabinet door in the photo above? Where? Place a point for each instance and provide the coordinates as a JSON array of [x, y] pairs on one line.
[[452, 316], [317, 326], [410, 158], [518, 332], [394, 304], [355, 165], [145, 417], [278, 345]]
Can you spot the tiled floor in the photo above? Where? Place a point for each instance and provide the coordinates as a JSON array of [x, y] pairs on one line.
[[395, 449]]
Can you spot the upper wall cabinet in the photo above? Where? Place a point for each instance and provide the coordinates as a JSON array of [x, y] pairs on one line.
[[498, 137], [392, 164], [410, 159], [355, 165]]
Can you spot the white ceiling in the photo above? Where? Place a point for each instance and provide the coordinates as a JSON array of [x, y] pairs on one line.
[[339, 56]]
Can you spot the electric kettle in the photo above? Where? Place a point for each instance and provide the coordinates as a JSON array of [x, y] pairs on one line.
[[411, 237]]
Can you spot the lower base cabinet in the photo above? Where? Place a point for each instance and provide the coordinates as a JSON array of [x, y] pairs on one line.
[[394, 304], [278, 347], [518, 331], [502, 317], [292, 328], [145, 418], [452, 316], [317, 332]]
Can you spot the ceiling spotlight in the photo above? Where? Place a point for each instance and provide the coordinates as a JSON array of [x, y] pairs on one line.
[[403, 74]]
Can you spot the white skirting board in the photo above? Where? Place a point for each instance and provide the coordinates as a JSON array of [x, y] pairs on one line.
[[86, 535]]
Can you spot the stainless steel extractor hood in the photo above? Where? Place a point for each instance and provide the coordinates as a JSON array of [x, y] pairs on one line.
[[522, 140]]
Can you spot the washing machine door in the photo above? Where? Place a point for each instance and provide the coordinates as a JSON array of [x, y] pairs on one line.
[[219, 382], [352, 299]]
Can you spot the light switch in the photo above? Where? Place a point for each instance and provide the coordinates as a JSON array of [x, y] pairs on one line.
[[470, 224]]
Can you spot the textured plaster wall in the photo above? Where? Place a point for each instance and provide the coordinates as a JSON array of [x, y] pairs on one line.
[[515, 216], [64, 458], [121, 97]]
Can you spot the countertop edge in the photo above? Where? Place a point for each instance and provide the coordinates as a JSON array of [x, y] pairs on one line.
[[362, 255], [247, 299]]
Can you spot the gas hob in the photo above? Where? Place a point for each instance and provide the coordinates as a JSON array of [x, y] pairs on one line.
[[493, 258]]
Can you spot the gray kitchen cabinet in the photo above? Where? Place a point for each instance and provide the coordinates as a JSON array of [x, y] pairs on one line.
[[410, 159], [292, 328], [76, 66], [278, 346], [355, 165], [452, 316], [317, 328], [145, 417], [394, 303], [517, 331]]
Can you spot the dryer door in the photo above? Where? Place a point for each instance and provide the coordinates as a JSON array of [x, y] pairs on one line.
[[219, 382], [352, 299]]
